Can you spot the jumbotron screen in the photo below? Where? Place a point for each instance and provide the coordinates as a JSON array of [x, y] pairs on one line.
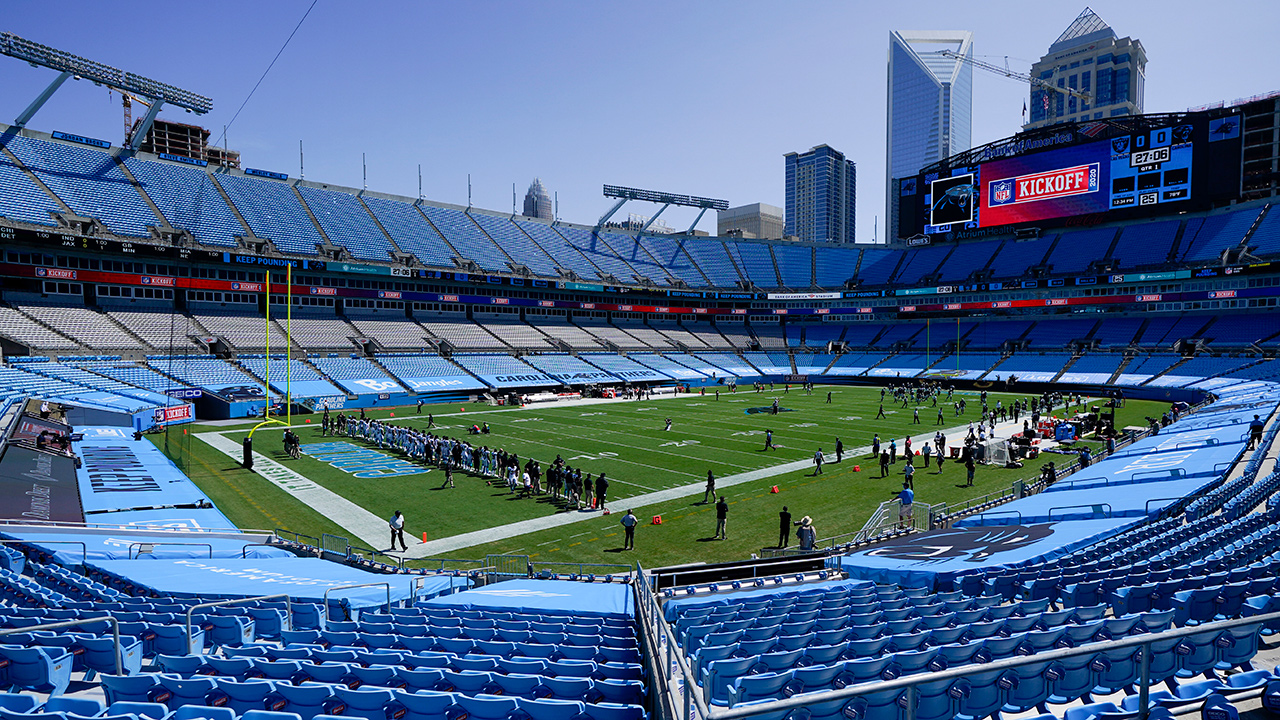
[[1141, 171]]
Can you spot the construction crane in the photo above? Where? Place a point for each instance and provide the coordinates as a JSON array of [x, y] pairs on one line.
[[128, 100], [1021, 77]]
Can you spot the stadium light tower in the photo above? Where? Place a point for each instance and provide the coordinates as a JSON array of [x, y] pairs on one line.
[[154, 92], [623, 194]]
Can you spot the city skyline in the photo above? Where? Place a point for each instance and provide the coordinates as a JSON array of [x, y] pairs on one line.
[[461, 105]]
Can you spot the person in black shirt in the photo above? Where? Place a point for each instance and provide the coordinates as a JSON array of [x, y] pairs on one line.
[[784, 527], [722, 514], [602, 487]]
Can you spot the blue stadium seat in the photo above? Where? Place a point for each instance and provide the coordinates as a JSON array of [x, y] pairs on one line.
[[46, 670], [243, 696]]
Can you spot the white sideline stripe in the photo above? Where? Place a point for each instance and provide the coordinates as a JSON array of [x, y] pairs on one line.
[[361, 523]]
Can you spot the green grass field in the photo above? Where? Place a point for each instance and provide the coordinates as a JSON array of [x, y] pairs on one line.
[[627, 441]]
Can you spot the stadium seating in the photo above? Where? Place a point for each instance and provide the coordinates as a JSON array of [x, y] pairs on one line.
[[713, 259], [23, 330], [515, 334], [755, 260], [1145, 244], [1076, 249], [407, 367], [574, 336], [1216, 234], [273, 211], [967, 259], [465, 236], [462, 333], [597, 251], [516, 244], [89, 328], [88, 181], [161, 330], [244, 332], [832, 267], [554, 244], [517, 372], [411, 231], [21, 200], [346, 222], [671, 256], [795, 266], [188, 199], [401, 334]]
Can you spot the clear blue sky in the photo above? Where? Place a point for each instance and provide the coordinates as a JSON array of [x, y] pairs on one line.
[[700, 97]]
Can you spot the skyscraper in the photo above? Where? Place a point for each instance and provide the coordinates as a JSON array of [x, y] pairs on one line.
[[930, 104], [537, 203], [822, 189], [1088, 57]]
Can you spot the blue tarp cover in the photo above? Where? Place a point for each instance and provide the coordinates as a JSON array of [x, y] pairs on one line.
[[547, 597], [302, 578], [1199, 462], [103, 545], [120, 473], [924, 559], [673, 606], [1179, 437], [1123, 501]]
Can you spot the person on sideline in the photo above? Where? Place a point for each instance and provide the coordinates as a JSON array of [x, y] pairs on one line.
[[722, 515], [397, 530], [629, 527]]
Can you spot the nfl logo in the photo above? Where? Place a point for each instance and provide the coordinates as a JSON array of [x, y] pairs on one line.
[[1002, 192]]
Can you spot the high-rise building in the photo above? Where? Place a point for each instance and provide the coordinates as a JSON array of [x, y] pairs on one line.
[[822, 189], [537, 203], [756, 220], [1088, 57], [930, 104]]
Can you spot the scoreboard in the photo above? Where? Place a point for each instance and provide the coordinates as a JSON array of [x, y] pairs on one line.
[[1188, 163]]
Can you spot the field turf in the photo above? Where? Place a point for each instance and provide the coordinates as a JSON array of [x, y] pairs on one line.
[[626, 440]]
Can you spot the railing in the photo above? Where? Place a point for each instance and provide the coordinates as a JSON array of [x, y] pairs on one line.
[[115, 632], [348, 587], [613, 569], [441, 562], [145, 548], [676, 670], [240, 601]]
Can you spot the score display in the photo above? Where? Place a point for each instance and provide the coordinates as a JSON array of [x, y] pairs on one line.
[[1151, 168]]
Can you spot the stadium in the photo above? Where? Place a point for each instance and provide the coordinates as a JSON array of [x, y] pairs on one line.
[[1020, 458]]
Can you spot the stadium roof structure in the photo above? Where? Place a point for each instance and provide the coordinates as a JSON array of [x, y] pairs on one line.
[[623, 194]]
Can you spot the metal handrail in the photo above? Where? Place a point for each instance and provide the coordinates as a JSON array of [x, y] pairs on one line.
[[84, 549], [1144, 641], [240, 601], [244, 550], [140, 553], [134, 528], [115, 632], [348, 587]]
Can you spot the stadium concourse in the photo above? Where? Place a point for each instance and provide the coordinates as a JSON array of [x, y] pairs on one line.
[[144, 293]]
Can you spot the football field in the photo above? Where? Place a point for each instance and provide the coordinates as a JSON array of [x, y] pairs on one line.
[[656, 471]]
